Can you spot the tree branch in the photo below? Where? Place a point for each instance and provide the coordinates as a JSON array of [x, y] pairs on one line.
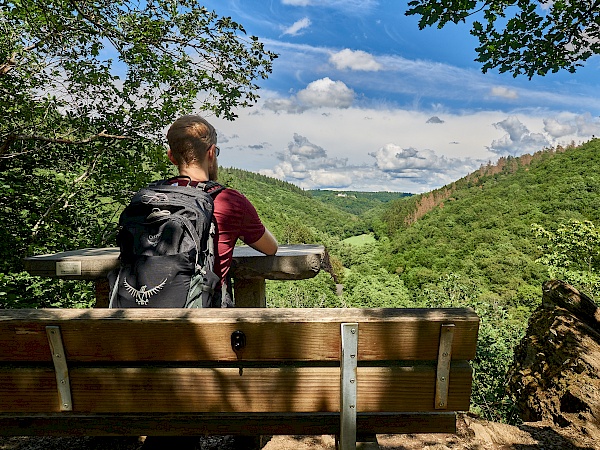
[[12, 61], [20, 137]]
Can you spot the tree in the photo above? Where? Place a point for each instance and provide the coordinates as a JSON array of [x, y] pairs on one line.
[[86, 91], [523, 37], [572, 253]]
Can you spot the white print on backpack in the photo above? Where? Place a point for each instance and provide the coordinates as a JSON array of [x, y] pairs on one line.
[[158, 197], [143, 295], [154, 239]]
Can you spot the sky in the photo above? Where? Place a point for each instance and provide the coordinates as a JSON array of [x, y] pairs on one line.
[[361, 99]]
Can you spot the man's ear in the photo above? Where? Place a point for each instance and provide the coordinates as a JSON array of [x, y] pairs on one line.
[[171, 157]]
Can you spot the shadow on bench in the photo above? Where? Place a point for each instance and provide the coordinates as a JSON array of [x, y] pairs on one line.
[[234, 371]]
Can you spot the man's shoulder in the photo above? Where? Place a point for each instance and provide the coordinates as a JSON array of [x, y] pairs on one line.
[[231, 194]]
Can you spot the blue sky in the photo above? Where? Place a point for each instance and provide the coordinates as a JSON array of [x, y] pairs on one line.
[[360, 99]]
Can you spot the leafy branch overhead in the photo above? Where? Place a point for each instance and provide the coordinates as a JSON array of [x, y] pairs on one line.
[[145, 61], [87, 88], [522, 37]]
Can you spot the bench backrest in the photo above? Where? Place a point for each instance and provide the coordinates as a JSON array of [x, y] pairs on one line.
[[183, 361]]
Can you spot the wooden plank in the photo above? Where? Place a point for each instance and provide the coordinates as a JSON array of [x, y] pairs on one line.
[[287, 389], [203, 335], [74, 424], [292, 262]]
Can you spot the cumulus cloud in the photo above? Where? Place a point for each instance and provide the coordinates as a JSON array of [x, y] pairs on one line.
[[297, 26], [518, 140], [308, 165], [583, 125], [499, 91], [302, 147], [557, 129], [392, 158], [354, 60], [320, 93], [326, 92], [420, 167]]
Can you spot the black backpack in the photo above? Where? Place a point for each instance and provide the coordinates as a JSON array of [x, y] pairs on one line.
[[166, 238]]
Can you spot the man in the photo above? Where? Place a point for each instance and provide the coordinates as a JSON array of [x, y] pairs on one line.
[[193, 149]]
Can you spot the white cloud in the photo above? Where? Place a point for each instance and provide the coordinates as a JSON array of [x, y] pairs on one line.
[[297, 26], [410, 161], [499, 91], [557, 129], [354, 60], [518, 140], [326, 92], [318, 94], [301, 147]]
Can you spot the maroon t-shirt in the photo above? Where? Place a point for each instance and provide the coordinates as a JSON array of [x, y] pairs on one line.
[[236, 219]]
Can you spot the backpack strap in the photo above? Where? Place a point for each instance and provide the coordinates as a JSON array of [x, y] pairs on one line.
[[210, 187]]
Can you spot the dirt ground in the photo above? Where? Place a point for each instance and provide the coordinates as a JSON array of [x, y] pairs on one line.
[[472, 434]]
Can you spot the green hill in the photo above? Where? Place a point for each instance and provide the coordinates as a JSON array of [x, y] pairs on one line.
[[291, 213], [355, 202], [481, 226]]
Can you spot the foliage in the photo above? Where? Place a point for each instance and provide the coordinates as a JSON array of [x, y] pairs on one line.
[[470, 244], [525, 36], [355, 202], [86, 90], [572, 254], [317, 292], [483, 228], [290, 213]]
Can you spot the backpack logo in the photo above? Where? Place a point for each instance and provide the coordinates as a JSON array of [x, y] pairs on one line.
[[142, 296], [154, 239]]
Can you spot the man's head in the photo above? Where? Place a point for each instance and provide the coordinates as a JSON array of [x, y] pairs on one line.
[[190, 138]]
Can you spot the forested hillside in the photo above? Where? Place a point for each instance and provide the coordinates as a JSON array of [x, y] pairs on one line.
[[288, 211], [481, 226], [356, 202]]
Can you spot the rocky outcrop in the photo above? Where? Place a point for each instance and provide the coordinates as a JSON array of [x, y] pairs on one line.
[[556, 373]]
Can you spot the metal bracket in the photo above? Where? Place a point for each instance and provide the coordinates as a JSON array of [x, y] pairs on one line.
[[60, 367], [442, 380], [348, 397]]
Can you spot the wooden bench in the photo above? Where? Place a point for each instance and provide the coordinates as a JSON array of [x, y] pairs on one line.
[[68, 372]]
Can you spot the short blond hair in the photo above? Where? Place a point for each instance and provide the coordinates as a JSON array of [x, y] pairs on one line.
[[189, 139]]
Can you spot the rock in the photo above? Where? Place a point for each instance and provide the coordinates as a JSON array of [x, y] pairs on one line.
[[555, 376]]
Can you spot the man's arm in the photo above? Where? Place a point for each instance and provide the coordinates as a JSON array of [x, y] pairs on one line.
[[267, 244]]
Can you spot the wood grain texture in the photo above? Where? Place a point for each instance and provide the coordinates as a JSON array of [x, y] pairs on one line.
[[219, 390], [204, 335]]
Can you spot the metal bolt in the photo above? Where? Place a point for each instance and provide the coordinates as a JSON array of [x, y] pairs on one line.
[[352, 381], [353, 330], [352, 406], [441, 403], [443, 379], [352, 356], [66, 405], [57, 355], [445, 354], [62, 381]]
